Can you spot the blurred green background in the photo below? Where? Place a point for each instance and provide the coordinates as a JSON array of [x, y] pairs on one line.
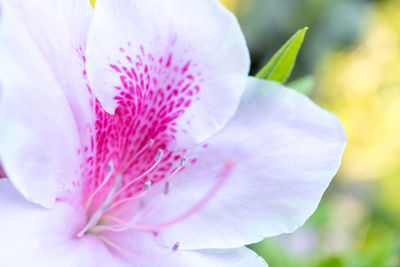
[[350, 64]]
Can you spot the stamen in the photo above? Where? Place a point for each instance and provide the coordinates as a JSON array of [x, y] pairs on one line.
[[146, 189], [150, 143], [136, 218], [110, 170], [157, 159], [113, 228], [118, 248], [167, 187], [97, 215], [213, 191], [159, 155], [132, 160], [176, 246], [147, 186], [182, 161]]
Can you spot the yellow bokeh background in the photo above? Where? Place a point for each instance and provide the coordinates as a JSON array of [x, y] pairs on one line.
[[362, 86]]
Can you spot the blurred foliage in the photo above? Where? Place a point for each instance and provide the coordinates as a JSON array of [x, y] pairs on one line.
[[367, 82], [267, 24], [351, 59], [362, 86], [303, 85]]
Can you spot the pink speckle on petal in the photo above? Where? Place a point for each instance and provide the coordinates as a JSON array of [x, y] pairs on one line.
[[185, 68], [169, 61], [115, 67], [128, 150], [147, 108]]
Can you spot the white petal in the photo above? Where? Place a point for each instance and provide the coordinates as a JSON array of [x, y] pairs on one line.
[[179, 47], [58, 31], [148, 253], [39, 136], [38, 237], [239, 257], [285, 151]]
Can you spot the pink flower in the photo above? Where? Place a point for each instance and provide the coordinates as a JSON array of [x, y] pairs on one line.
[[173, 164]]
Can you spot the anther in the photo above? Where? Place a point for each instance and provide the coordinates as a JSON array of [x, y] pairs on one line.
[[157, 159], [110, 167], [221, 178], [159, 154], [147, 186], [182, 161], [175, 246], [150, 143], [167, 187], [142, 204]]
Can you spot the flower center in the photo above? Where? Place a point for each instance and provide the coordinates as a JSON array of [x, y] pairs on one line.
[[127, 165], [116, 201], [110, 215]]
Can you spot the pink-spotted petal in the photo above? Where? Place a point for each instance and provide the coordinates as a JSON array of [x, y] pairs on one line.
[[38, 237], [285, 151], [176, 68], [40, 135]]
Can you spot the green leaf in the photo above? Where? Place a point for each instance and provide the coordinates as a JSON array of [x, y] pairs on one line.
[[281, 64]]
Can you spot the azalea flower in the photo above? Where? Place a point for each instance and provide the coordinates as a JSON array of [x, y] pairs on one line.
[[131, 135]]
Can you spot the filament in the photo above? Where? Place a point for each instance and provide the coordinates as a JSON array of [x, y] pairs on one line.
[[157, 161], [180, 167], [101, 228], [110, 168], [132, 160], [145, 191], [167, 186], [213, 191], [97, 215]]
